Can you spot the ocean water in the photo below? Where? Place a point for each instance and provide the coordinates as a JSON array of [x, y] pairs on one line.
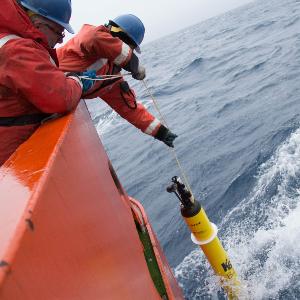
[[230, 88]]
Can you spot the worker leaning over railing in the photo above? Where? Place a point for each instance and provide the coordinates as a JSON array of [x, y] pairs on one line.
[[31, 85], [107, 50]]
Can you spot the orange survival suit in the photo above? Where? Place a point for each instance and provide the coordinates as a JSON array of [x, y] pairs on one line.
[[94, 48], [31, 85]]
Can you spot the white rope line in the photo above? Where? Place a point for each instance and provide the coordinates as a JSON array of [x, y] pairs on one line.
[[110, 77], [103, 77], [171, 149]]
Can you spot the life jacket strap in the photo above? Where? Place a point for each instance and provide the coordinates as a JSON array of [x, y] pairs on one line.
[[23, 120]]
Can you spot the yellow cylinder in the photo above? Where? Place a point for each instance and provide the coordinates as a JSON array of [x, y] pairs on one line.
[[204, 234], [218, 258], [200, 226], [220, 262]]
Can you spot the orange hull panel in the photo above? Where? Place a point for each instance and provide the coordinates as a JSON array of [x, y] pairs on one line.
[[67, 230]]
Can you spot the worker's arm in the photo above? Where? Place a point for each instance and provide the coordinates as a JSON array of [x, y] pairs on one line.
[[30, 72], [100, 43], [123, 101]]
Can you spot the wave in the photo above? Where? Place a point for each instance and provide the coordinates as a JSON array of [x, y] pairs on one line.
[[232, 106], [248, 71], [104, 121], [192, 66], [292, 21], [263, 25]]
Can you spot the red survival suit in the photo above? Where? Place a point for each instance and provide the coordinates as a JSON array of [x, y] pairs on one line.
[[30, 82], [94, 48]]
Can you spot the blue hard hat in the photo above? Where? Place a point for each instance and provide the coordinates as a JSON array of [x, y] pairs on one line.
[[133, 26], [58, 11]]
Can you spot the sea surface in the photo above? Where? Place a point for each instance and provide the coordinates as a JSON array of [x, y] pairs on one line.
[[230, 88]]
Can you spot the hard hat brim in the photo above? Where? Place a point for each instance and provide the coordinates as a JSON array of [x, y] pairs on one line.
[[138, 50], [68, 27]]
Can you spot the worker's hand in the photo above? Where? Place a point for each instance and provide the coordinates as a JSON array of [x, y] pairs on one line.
[[85, 78], [169, 139], [141, 73], [89, 82], [166, 136]]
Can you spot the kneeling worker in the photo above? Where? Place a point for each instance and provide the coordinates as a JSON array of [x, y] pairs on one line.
[[107, 50]]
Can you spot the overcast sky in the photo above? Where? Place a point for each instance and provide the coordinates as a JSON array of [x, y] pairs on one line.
[[160, 17]]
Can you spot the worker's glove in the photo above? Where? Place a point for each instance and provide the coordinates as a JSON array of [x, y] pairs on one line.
[[165, 135], [140, 74], [86, 83]]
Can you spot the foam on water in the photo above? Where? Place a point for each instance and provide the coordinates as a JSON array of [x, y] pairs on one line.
[[262, 233]]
